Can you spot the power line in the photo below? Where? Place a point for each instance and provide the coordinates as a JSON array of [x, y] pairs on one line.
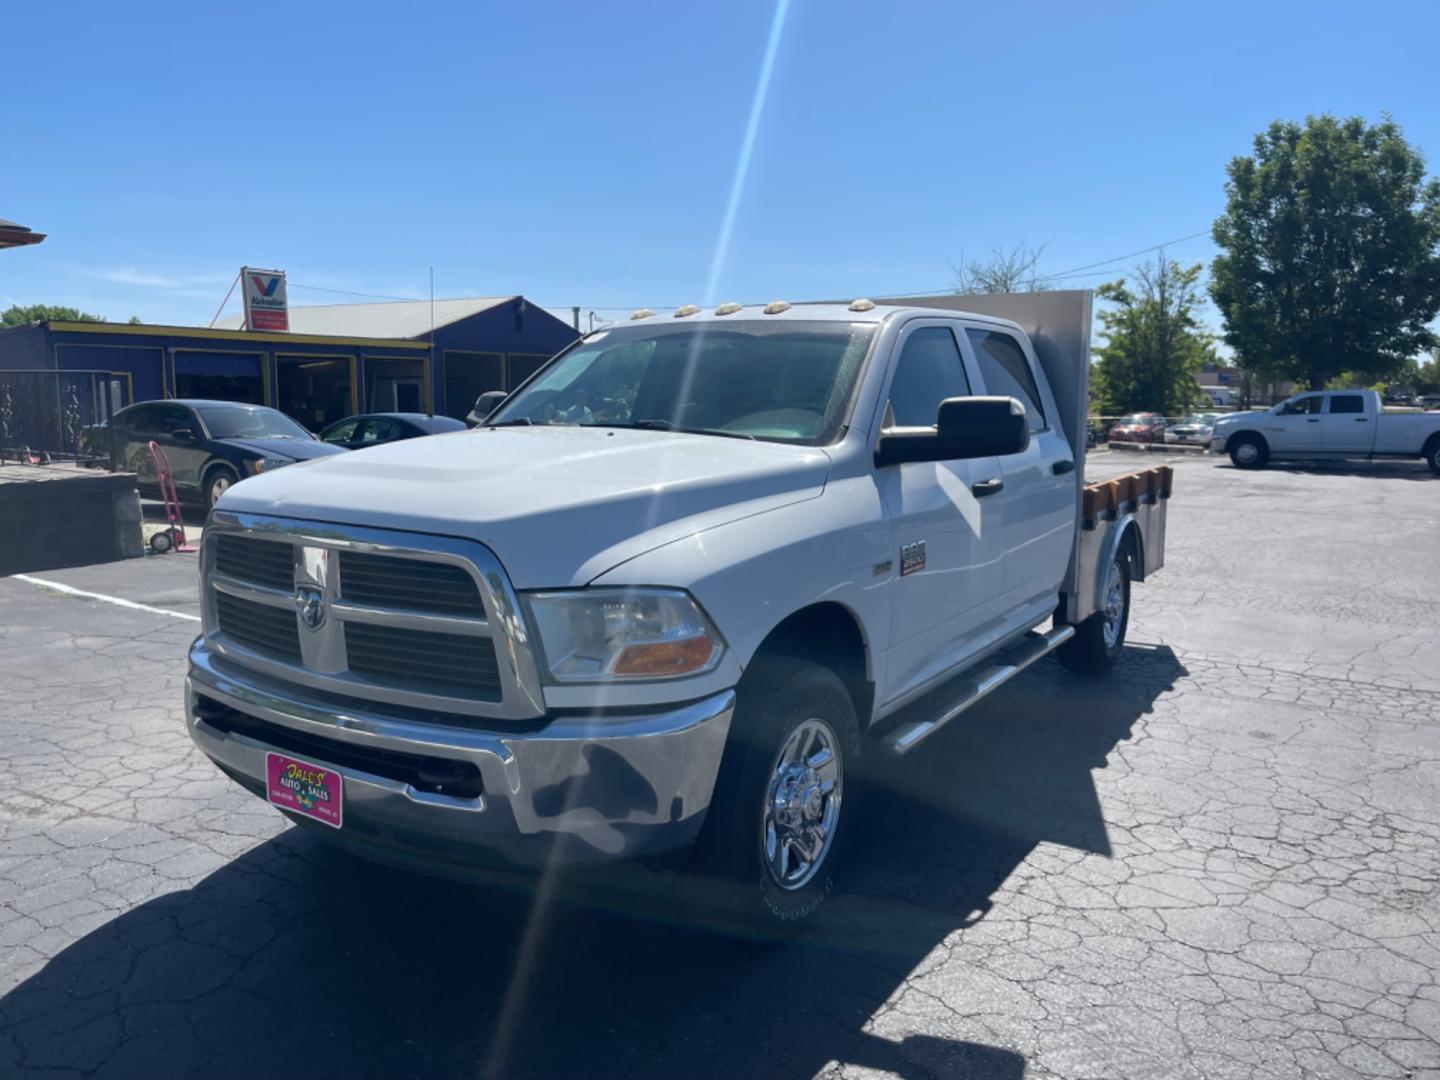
[[347, 292], [1122, 258]]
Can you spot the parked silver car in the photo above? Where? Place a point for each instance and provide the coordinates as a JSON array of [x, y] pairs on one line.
[[1194, 429]]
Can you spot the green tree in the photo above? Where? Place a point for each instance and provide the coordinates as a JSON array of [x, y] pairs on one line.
[[1427, 375], [15, 315], [1153, 343], [1330, 252]]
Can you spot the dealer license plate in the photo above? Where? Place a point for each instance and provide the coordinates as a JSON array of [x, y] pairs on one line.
[[302, 788]]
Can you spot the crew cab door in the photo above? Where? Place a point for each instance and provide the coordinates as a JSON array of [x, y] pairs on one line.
[[1038, 505], [1346, 426], [1294, 426], [945, 518]]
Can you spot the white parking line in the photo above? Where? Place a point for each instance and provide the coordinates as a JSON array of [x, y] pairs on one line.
[[70, 590]]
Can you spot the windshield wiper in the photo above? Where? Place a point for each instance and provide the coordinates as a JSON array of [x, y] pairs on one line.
[[519, 421], [666, 425]]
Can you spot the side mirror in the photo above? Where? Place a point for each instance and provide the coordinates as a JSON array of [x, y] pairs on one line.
[[968, 427], [486, 404], [183, 434]]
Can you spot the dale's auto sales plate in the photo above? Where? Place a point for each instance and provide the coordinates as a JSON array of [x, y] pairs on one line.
[[302, 788]]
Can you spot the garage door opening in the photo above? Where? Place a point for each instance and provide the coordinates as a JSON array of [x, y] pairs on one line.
[[467, 376], [395, 385], [316, 391], [219, 376]]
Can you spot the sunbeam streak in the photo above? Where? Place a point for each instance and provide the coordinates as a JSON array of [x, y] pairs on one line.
[[747, 146]]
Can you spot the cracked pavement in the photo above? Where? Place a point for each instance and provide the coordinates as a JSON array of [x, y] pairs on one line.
[[1222, 861]]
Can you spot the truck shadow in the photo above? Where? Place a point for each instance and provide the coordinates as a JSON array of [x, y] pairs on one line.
[[1404, 469], [296, 960]]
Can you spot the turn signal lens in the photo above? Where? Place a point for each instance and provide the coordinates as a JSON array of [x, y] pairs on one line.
[[665, 657]]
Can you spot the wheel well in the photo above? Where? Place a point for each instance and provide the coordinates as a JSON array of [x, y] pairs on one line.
[[1135, 542], [1430, 444], [828, 634], [211, 469], [1247, 432]]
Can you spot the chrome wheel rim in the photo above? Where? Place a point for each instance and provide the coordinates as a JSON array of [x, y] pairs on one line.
[[802, 805], [1114, 605], [218, 487], [1247, 453]]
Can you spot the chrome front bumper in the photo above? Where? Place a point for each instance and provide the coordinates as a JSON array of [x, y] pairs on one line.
[[578, 788]]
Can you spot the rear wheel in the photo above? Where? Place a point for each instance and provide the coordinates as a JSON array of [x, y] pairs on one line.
[[768, 856], [1432, 456], [1249, 452], [1099, 640]]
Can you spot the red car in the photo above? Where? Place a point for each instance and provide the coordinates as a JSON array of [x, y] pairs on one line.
[[1145, 427]]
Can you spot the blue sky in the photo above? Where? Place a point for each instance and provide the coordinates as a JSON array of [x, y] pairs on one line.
[[587, 153]]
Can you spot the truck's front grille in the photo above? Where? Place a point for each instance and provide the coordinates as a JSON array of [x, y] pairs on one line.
[[269, 630], [424, 623], [457, 665], [417, 584], [261, 562]]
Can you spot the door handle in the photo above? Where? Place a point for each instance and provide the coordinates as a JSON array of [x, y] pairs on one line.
[[1060, 468], [981, 488], [1362, 420], [1312, 420]]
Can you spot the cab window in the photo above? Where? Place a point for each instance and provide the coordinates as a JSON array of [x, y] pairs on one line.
[[1006, 372], [928, 371], [1347, 403], [1305, 406]]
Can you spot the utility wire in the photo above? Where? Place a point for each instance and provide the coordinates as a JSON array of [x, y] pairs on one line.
[[1079, 271]]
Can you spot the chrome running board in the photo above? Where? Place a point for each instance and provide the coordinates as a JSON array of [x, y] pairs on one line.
[[1032, 647]]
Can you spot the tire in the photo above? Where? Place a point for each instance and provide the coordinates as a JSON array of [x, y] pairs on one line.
[[1248, 452], [1100, 639], [217, 477], [746, 880], [162, 542], [1432, 456]]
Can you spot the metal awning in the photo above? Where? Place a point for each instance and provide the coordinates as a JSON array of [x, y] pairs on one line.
[[14, 235]]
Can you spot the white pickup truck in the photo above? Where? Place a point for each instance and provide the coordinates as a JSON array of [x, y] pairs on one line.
[[673, 593], [1343, 424]]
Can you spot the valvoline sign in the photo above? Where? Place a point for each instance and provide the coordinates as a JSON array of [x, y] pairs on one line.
[[265, 304]]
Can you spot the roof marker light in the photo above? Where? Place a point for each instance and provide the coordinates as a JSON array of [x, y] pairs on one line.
[[775, 307], [728, 309], [643, 313], [862, 305], [688, 309]]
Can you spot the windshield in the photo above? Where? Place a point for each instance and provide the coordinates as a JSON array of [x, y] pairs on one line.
[[782, 382], [233, 423], [1138, 418]]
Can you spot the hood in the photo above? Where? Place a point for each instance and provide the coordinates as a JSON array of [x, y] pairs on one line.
[[299, 449], [557, 505]]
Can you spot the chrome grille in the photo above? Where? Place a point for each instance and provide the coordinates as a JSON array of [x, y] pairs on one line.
[[261, 562], [427, 623], [265, 628], [456, 664], [413, 584]]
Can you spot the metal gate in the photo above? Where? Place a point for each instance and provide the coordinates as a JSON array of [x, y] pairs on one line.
[[59, 414]]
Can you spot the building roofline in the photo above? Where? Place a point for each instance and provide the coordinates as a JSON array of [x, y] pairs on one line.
[[276, 337]]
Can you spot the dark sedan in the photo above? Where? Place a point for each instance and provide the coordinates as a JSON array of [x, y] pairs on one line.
[[372, 429], [210, 444]]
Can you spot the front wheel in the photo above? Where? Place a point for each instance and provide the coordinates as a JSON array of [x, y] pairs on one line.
[[768, 856], [1249, 452], [217, 482], [1099, 640]]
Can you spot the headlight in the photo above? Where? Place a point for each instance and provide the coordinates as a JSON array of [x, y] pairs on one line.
[[268, 463], [592, 634]]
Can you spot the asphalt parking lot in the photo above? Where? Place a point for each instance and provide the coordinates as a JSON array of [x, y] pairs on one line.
[[1223, 861]]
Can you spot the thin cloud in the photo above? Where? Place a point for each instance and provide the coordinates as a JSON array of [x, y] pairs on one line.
[[149, 279]]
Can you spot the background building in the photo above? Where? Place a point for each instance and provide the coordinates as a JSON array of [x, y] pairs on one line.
[[58, 377]]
